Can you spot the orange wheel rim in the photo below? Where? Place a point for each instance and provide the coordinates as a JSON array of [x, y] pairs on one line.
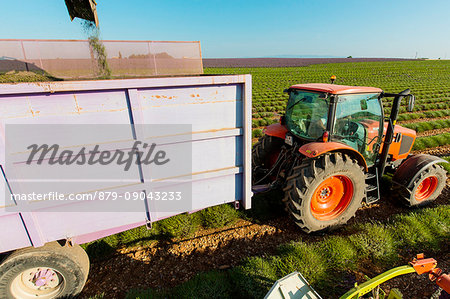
[[332, 197], [426, 188]]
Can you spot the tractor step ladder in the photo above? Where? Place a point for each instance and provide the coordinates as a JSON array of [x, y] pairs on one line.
[[372, 187]]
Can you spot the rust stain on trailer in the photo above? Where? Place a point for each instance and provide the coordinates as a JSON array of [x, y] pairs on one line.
[[33, 113], [78, 110], [196, 97], [41, 84], [31, 109], [190, 133], [8, 206], [114, 110], [158, 97], [184, 104], [199, 99], [51, 87], [77, 107], [214, 130]]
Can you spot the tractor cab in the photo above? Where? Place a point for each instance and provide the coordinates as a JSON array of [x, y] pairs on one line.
[[346, 114]]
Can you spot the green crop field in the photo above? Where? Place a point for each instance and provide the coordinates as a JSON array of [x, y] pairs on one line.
[[428, 80]]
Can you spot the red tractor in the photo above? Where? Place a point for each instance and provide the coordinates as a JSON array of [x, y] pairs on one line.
[[332, 147]]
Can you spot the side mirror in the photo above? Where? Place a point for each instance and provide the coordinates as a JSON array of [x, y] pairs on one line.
[[412, 100], [286, 90]]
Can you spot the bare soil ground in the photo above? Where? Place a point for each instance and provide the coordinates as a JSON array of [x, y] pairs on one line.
[[164, 265], [419, 120], [433, 132], [437, 151]]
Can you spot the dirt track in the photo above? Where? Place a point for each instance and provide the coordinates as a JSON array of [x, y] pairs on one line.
[[437, 151]]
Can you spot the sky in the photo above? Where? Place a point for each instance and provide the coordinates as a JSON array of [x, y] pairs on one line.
[[248, 28]]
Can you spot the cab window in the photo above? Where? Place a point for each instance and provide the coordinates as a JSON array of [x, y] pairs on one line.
[[358, 121]]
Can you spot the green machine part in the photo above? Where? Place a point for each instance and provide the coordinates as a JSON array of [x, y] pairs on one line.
[[369, 285]]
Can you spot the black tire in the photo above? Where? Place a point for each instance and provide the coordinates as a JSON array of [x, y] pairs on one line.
[[70, 266], [304, 184], [411, 196], [261, 155]]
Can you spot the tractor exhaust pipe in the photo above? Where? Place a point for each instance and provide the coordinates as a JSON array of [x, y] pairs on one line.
[[390, 129]]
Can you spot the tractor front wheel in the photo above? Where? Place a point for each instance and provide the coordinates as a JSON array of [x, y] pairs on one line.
[[324, 193]]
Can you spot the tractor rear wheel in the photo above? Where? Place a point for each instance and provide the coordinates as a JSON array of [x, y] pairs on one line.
[[324, 193], [264, 155], [425, 188]]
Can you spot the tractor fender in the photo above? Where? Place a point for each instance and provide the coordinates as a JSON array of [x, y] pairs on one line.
[[315, 149], [412, 167], [276, 130]]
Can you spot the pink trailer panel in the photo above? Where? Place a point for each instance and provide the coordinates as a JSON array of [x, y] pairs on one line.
[[217, 109]]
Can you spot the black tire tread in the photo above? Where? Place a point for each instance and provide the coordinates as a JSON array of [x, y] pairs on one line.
[[406, 195], [75, 257], [305, 175]]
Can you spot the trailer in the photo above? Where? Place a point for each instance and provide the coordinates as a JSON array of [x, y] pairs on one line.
[[41, 237]]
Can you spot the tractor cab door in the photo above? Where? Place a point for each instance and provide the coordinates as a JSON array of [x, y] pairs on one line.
[[358, 121]]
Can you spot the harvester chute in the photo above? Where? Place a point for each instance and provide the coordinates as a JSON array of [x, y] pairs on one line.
[[83, 9]]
